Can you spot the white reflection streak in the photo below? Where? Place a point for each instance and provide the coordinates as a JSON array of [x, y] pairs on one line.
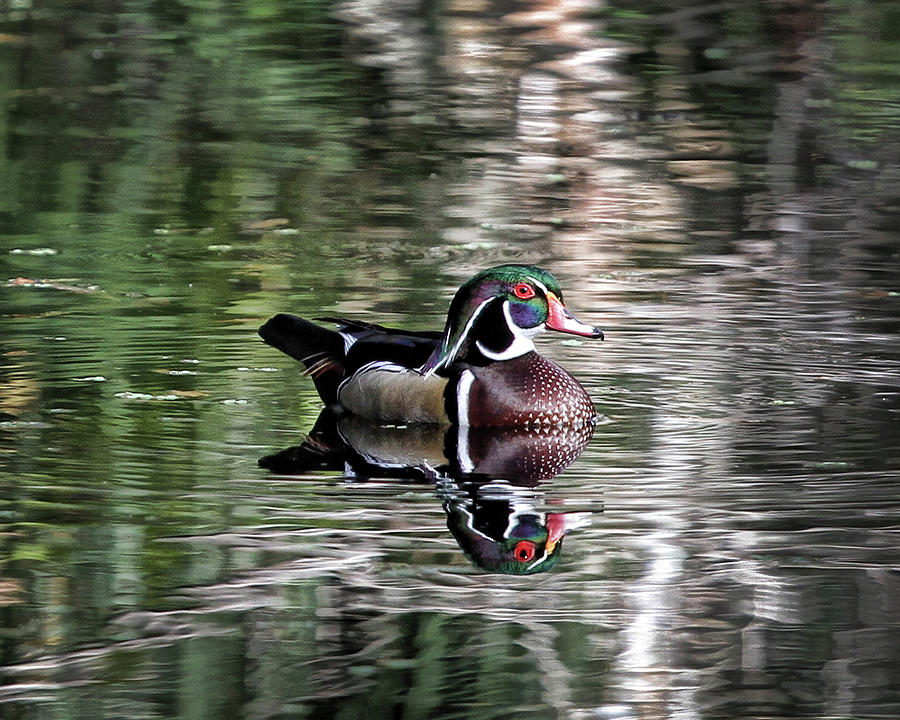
[[652, 601], [646, 661], [536, 111], [656, 683]]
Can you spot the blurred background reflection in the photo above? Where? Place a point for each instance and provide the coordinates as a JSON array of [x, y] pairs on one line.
[[714, 184]]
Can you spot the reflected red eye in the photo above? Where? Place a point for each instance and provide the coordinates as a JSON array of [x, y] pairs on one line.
[[524, 550], [523, 291]]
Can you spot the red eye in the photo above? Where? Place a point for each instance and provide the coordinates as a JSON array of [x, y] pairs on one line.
[[524, 550], [523, 291]]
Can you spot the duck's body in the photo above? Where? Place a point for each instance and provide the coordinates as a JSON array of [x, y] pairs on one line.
[[482, 370]]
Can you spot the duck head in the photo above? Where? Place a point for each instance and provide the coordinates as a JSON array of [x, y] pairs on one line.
[[494, 315]]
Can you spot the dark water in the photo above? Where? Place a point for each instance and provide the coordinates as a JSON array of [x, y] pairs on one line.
[[716, 185]]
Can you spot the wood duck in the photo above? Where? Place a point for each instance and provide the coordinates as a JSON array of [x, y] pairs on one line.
[[482, 370]]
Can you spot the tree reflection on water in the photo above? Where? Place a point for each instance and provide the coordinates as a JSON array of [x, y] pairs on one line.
[[716, 182]]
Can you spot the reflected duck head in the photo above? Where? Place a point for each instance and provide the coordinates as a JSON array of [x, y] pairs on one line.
[[499, 529]]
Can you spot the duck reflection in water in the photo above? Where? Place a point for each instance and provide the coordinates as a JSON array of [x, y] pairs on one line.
[[488, 417], [488, 479]]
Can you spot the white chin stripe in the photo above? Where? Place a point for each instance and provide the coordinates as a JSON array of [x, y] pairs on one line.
[[520, 345]]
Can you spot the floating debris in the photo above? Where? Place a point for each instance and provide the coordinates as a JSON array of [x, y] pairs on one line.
[[21, 424], [59, 284], [129, 395], [173, 395], [263, 226], [33, 251]]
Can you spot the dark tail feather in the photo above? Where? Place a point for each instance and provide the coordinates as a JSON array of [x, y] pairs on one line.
[[321, 350]]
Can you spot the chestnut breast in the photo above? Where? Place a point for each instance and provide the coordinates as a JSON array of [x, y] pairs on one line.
[[525, 391]]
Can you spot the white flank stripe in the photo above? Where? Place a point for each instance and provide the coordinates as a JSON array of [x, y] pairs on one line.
[[463, 389]]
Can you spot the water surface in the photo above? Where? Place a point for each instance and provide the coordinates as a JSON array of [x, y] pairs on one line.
[[714, 185]]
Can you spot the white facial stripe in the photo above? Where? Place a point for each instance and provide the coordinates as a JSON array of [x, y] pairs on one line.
[[449, 357], [539, 284], [470, 523]]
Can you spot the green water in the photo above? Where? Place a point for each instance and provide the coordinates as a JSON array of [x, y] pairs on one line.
[[714, 185]]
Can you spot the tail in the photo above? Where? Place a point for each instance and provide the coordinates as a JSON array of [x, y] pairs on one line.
[[323, 449], [321, 350]]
